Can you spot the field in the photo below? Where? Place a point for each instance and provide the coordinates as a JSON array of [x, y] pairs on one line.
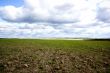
[[54, 56]]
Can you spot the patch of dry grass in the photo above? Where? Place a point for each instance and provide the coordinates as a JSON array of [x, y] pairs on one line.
[[33, 57]]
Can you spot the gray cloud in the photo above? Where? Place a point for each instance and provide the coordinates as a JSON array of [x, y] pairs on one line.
[[32, 14], [103, 14]]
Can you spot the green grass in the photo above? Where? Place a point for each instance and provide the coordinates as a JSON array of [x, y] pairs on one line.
[[54, 56]]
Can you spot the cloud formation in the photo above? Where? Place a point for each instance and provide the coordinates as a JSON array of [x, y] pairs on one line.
[[56, 18], [40, 11], [52, 11], [103, 13]]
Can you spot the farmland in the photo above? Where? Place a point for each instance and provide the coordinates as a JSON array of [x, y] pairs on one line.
[[54, 56]]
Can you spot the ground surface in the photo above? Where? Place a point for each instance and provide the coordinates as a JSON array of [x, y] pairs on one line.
[[54, 56]]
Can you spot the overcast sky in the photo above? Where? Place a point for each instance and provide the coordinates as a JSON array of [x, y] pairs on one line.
[[54, 18]]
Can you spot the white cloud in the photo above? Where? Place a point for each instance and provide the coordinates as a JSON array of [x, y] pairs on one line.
[[52, 11], [103, 13], [46, 30], [56, 18], [10, 12]]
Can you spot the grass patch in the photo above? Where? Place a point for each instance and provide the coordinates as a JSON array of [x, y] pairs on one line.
[[54, 56]]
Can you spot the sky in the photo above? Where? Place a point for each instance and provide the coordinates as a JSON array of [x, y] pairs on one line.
[[54, 18]]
